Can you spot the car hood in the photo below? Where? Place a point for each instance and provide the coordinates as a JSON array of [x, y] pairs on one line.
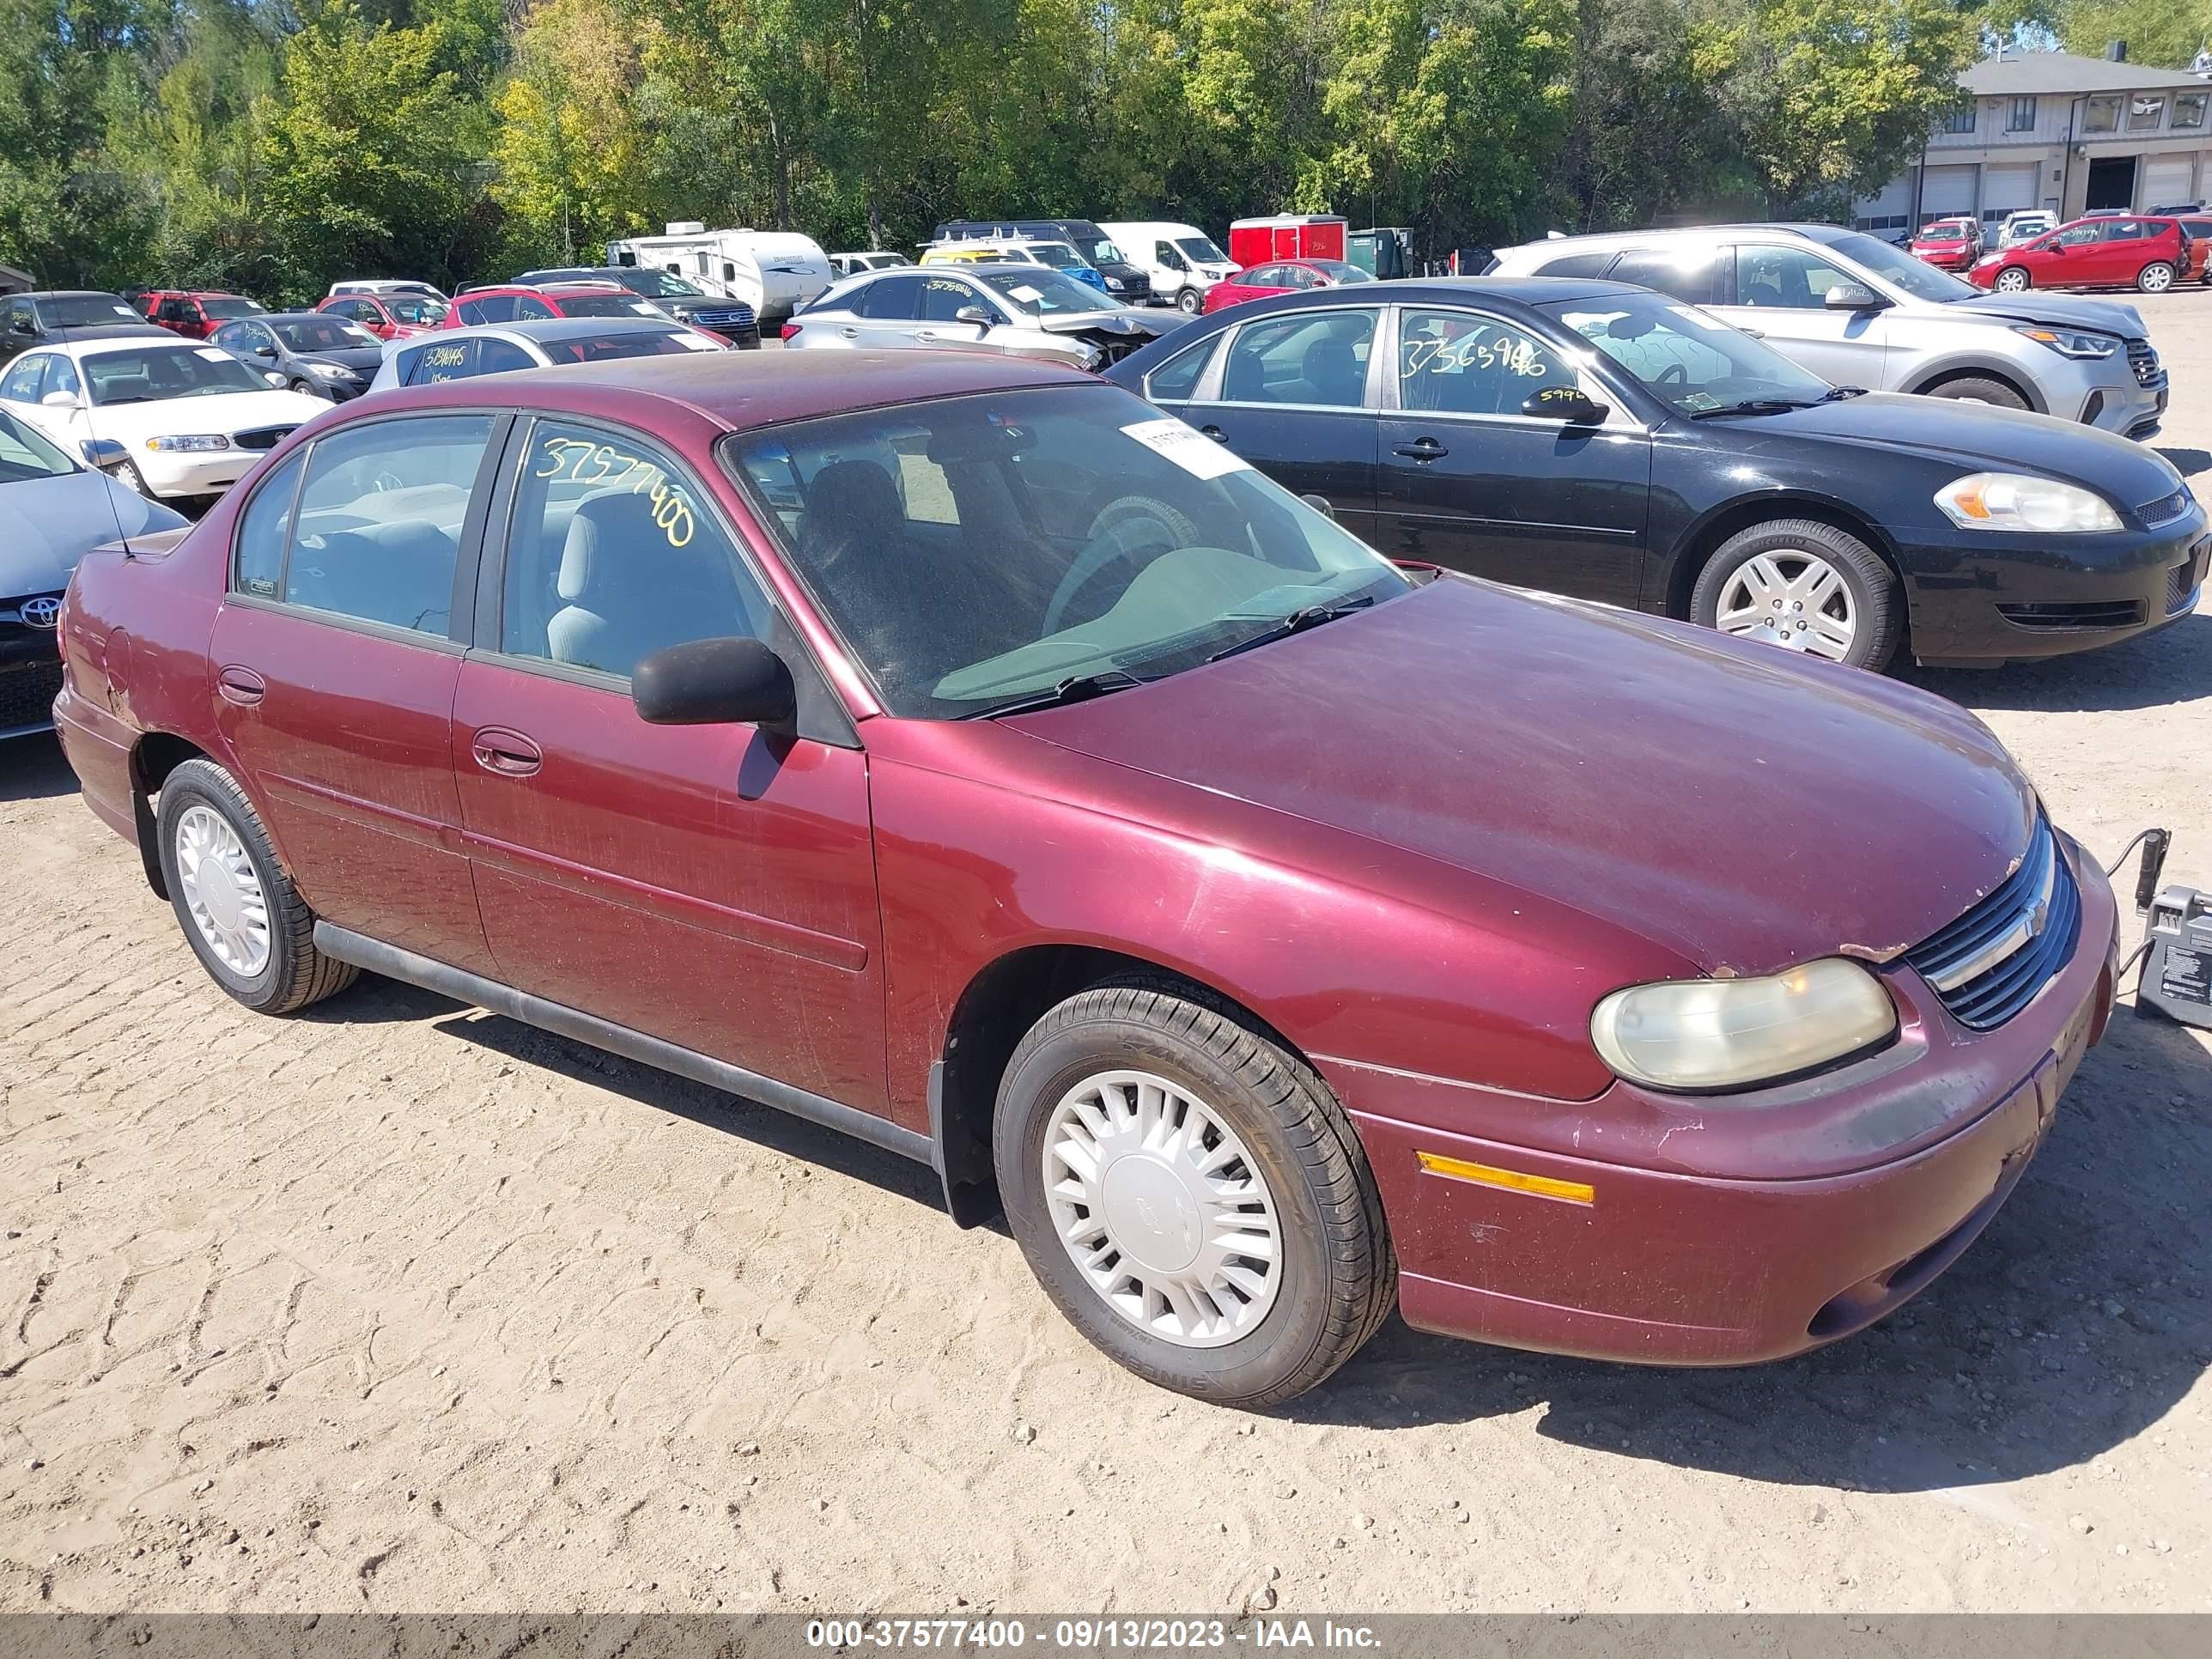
[[1977, 437], [362, 360], [1129, 324], [225, 412], [46, 525], [1744, 807], [2058, 310]]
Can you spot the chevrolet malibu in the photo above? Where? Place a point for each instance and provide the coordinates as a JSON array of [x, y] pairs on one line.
[[953, 750]]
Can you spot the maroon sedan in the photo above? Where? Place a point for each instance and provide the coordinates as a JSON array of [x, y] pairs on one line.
[[949, 748], [1282, 277]]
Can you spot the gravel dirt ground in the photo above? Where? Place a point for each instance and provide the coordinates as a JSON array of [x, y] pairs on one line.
[[402, 1307]]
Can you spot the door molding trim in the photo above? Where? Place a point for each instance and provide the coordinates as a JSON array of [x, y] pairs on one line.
[[393, 962]]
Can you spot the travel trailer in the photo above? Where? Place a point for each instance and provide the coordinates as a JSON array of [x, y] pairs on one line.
[[774, 272]]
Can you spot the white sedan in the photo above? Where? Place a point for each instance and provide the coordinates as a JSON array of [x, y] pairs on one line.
[[192, 419]]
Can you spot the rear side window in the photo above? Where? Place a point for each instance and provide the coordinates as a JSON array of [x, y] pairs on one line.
[[1577, 264], [1686, 274], [1316, 358], [501, 357], [21, 383], [258, 567], [379, 527], [892, 298], [1175, 379], [454, 362], [529, 310]]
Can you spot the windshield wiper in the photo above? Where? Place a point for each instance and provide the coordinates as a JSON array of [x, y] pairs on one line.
[[1077, 688], [1753, 406], [1297, 622], [1836, 394]]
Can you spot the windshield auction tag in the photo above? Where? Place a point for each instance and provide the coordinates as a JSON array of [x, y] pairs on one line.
[[1189, 448]]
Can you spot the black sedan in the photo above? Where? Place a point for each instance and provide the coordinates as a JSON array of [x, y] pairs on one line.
[[313, 350], [1610, 443]]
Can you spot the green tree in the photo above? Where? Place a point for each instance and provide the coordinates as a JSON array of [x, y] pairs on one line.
[[2165, 33], [570, 146]]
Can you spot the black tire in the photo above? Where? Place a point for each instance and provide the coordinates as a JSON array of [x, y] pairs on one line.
[[2155, 277], [1340, 1276], [296, 973], [1876, 594], [1979, 389], [1190, 303]]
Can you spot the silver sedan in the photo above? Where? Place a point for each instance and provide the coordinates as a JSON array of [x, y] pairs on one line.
[[1014, 309]]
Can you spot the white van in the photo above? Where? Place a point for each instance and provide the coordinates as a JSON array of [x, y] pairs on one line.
[[774, 272], [1182, 260]]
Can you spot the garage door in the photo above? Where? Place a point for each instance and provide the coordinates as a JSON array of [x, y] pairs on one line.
[[2008, 189], [1886, 211], [2165, 181], [1945, 190]]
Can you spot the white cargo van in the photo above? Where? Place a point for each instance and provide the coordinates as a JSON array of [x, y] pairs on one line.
[[774, 272], [1182, 260]]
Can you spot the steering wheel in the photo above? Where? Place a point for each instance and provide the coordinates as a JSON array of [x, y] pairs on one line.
[[1674, 374], [1125, 528], [386, 481]]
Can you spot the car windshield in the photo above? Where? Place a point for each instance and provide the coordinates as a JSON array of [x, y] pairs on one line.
[[324, 334], [415, 311], [1338, 270], [1690, 361], [1900, 269], [979, 552], [229, 305], [1051, 254], [156, 373], [603, 348], [1943, 233], [656, 284], [1103, 252], [24, 455], [602, 305], [86, 311], [1201, 250], [1045, 293]]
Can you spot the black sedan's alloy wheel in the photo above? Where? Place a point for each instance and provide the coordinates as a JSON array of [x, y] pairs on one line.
[[1803, 586], [1190, 1194]]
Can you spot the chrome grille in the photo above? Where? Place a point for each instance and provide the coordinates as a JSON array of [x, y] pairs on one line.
[[2143, 360], [1989, 964], [734, 320], [264, 437]]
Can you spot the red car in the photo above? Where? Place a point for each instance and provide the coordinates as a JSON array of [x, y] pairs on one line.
[[196, 314], [2123, 251], [1281, 276], [1949, 244], [516, 302], [388, 316], [949, 748]]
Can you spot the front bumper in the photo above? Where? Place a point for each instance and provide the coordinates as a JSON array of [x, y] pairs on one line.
[[192, 472], [1668, 1263], [30, 679], [1977, 598]]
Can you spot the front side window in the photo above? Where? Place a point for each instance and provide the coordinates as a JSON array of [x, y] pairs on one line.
[[976, 552], [944, 298], [1687, 359], [414, 311], [1317, 358], [1455, 363], [1790, 278], [378, 532], [157, 373], [25, 455], [492, 308], [1683, 273], [614, 555], [530, 309], [1897, 268], [2074, 236], [2146, 110], [2101, 114]]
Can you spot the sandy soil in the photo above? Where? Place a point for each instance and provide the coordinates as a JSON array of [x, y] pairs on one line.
[[402, 1307]]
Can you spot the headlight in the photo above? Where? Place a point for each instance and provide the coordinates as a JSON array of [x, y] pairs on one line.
[[1114, 283], [189, 442], [2014, 500], [1705, 1034], [331, 371], [2071, 342]]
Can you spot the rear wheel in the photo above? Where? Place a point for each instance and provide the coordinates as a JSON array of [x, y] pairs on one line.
[[1189, 301], [2011, 280], [1803, 586], [1190, 1195], [243, 918], [2156, 277]]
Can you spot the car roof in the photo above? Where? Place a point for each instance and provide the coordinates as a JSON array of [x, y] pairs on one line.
[[552, 328], [126, 338], [1683, 232], [284, 317], [67, 293], [1414, 290], [741, 390]]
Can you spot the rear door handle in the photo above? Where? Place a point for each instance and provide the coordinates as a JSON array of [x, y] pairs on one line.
[[850, 333], [508, 754], [1422, 449], [241, 685]]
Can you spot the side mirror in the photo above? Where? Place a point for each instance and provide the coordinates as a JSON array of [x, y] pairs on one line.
[[1569, 404], [275, 379], [977, 315], [62, 400], [264, 349], [103, 452], [1854, 296], [21, 325], [1319, 504], [728, 682]]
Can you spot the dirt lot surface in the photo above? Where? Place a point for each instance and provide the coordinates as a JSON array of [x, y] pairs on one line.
[[403, 1307]]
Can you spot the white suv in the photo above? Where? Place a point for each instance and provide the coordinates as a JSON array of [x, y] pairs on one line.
[[1857, 312]]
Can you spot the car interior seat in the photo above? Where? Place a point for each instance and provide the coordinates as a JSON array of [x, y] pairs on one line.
[[627, 591]]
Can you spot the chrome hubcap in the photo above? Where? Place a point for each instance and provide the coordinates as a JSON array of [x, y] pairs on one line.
[[2158, 278], [222, 891], [1162, 1209], [2012, 282], [1792, 599]]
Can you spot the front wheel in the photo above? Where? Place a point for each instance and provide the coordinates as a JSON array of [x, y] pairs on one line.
[[1190, 301], [2011, 280], [243, 918], [1189, 1194], [1803, 586], [128, 475], [2156, 277]]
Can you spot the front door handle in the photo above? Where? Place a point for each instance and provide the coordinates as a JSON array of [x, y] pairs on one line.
[[508, 754], [1422, 449], [850, 333], [1215, 433], [241, 685]]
